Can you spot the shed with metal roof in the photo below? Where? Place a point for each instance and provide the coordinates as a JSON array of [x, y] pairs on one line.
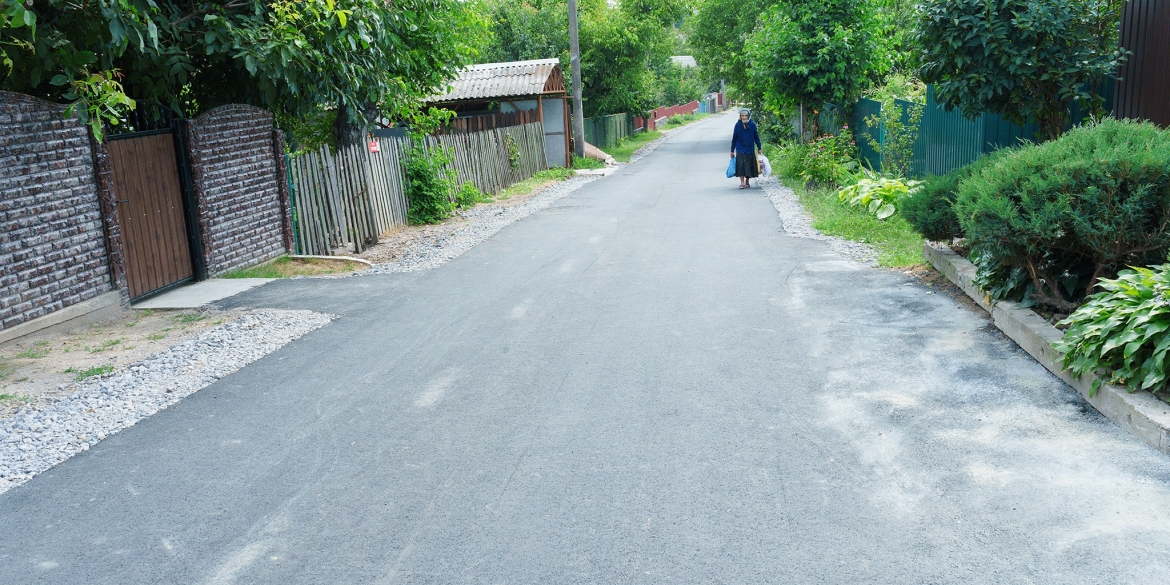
[[534, 87]]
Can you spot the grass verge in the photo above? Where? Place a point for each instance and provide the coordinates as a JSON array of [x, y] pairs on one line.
[[285, 267], [623, 151], [587, 163], [896, 242], [683, 119], [538, 181]]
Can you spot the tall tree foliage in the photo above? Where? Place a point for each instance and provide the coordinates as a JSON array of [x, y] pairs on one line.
[[1023, 59], [625, 47], [717, 33], [361, 57], [805, 53]]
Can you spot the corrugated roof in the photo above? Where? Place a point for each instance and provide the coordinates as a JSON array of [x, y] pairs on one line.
[[495, 80]]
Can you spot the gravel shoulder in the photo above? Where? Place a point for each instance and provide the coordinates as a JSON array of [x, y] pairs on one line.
[[38, 371], [798, 224], [424, 247], [45, 432]]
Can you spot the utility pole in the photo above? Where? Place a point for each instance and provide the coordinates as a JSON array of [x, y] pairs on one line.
[[575, 65]]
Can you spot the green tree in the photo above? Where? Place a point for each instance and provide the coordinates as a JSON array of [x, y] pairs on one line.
[[717, 34], [624, 47], [1024, 59], [362, 58], [805, 53]]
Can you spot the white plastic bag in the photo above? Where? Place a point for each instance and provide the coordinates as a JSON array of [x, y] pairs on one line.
[[765, 166]]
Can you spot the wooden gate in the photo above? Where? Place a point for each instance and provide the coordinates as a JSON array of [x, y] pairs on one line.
[[150, 208]]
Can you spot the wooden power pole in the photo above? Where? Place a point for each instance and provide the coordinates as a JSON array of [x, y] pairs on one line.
[[575, 65]]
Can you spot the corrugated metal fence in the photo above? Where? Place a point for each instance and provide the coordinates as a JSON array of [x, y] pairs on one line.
[[345, 199], [607, 131], [1143, 90], [946, 140]]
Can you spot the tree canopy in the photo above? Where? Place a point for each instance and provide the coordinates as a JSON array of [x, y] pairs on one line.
[[813, 52], [361, 57], [1024, 59], [625, 47]]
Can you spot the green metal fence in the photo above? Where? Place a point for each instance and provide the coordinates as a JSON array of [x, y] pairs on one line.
[[947, 140], [607, 131]]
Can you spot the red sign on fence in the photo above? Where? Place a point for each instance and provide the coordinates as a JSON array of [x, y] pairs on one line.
[[375, 147]]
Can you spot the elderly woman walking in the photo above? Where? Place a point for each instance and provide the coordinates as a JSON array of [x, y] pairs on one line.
[[742, 141]]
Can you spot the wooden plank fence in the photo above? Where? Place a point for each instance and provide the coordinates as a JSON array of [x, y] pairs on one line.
[[344, 200]]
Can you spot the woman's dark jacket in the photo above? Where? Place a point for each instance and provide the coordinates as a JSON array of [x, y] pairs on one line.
[[742, 139]]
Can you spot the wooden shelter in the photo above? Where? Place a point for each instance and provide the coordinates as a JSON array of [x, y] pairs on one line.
[[520, 90]]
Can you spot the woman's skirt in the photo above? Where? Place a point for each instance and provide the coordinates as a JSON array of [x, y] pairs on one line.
[[746, 165]]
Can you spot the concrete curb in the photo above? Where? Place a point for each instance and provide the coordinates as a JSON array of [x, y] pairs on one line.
[[1140, 413]]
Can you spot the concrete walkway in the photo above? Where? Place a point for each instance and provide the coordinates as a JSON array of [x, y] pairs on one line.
[[198, 294], [648, 382]]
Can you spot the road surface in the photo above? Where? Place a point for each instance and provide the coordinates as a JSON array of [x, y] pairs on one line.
[[648, 382]]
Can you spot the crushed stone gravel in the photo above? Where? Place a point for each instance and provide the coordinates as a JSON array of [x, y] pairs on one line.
[[798, 224], [35, 439], [483, 222]]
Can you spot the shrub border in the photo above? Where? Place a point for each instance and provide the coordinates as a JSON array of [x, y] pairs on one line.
[[1140, 413]]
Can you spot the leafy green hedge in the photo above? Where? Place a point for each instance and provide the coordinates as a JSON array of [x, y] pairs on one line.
[[1074, 210], [930, 208]]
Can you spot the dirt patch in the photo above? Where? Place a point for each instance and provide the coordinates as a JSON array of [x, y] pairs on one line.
[[392, 246], [38, 371], [938, 282]]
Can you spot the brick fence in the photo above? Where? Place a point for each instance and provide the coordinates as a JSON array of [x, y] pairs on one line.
[[61, 237], [240, 187], [659, 116], [52, 237]]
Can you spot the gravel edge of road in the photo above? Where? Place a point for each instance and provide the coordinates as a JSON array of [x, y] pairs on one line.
[[35, 439], [798, 224], [483, 223]]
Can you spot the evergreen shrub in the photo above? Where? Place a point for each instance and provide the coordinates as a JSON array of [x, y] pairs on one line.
[[930, 208], [1073, 210]]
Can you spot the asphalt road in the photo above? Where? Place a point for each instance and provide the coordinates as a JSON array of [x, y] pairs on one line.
[[648, 382]]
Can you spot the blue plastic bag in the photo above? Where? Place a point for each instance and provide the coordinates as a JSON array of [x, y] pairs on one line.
[[731, 168]]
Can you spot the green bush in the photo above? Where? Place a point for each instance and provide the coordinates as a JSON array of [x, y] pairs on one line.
[[1073, 210], [468, 195], [930, 208], [1123, 330], [430, 185], [880, 196], [580, 162], [827, 161]]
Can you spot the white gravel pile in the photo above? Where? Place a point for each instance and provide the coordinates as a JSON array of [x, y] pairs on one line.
[[34, 440], [799, 225], [483, 223]]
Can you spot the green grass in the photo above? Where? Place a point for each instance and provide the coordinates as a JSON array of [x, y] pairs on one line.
[[35, 353], [8, 397], [6, 370], [683, 119], [536, 181], [896, 242], [80, 375], [286, 267], [587, 163], [104, 346], [627, 147], [188, 318]]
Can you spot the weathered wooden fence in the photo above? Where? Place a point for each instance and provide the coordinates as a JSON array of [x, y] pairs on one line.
[[344, 200]]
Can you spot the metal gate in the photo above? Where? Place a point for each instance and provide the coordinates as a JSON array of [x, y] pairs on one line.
[[153, 212]]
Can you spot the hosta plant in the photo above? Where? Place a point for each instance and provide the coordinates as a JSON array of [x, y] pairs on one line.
[[879, 195], [1123, 332]]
